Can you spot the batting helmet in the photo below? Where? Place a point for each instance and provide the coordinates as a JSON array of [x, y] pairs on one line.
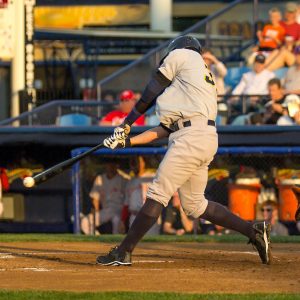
[[185, 41]]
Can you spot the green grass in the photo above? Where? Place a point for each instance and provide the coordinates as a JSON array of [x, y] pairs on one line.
[[117, 238], [20, 295]]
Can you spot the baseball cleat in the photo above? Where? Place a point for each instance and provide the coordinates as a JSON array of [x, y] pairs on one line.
[[296, 190], [115, 258], [262, 241]]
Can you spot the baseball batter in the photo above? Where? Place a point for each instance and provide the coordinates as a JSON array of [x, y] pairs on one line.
[[185, 96]]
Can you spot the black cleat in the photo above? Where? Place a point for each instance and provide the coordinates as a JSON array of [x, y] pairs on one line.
[[115, 258], [262, 241]]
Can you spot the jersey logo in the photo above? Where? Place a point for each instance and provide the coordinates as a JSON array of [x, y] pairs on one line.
[[209, 79]]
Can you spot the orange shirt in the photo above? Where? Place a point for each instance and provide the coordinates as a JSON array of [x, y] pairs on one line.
[[269, 33]]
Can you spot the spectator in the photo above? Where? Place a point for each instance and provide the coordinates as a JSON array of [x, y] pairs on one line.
[[274, 109], [298, 14], [292, 78], [282, 57], [217, 68], [176, 221], [255, 82], [107, 194], [292, 28], [273, 34], [291, 113], [116, 117], [136, 190], [269, 211]]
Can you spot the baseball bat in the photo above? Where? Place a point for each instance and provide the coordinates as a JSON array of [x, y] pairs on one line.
[[57, 169]]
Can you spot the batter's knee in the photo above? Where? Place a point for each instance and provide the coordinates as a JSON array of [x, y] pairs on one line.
[[156, 195], [195, 209]]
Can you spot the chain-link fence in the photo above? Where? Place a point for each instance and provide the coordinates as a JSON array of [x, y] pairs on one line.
[[241, 178]]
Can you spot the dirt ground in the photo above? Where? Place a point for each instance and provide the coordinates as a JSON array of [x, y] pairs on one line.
[[176, 267]]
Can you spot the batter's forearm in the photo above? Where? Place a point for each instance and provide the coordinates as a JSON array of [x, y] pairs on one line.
[[149, 136]]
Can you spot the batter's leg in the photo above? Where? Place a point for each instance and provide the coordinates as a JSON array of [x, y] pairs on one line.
[[194, 204], [144, 220]]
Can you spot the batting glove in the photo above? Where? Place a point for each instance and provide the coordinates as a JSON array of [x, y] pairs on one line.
[[121, 132], [112, 143]]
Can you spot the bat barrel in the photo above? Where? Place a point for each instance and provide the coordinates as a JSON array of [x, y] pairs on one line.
[[59, 168]]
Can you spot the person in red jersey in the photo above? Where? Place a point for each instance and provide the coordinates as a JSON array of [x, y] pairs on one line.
[[292, 28], [116, 117]]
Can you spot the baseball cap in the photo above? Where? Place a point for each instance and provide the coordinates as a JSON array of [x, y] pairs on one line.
[[291, 7], [127, 95], [260, 58], [297, 50]]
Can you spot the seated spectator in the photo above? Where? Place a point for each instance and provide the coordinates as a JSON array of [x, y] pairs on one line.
[[107, 194], [269, 211], [116, 117], [176, 221], [292, 78], [291, 112], [135, 193], [292, 28], [283, 57], [256, 81], [274, 109], [272, 36], [217, 68]]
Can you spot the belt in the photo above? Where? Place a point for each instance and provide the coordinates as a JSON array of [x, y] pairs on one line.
[[187, 123]]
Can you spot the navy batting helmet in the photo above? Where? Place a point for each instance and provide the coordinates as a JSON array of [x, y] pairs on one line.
[[185, 41]]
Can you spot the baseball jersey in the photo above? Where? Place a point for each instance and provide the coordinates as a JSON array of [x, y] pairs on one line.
[[110, 192], [136, 190], [117, 117], [192, 91]]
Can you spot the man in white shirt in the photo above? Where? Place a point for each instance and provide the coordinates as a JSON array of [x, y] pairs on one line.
[[256, 81]]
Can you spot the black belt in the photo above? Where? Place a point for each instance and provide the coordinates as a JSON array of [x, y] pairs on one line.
[[189, 123]]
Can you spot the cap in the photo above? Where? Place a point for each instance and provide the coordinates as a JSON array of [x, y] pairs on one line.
[[297, 50], [127, 95], [291, 7], [260, 58]]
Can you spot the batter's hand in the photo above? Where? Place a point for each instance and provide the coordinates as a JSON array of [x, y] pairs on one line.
[[121, 132], [113, 143]]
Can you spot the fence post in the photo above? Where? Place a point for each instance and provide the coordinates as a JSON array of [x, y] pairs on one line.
[[76, 197]]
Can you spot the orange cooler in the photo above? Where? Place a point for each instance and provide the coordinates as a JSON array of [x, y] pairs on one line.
[[287, 203], [243, 200]]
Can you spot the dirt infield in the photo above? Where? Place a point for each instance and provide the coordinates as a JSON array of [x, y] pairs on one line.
[[176, 267]]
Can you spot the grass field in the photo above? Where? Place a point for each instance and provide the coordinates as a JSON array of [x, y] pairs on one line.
[[25, 295], [237, 238], [62, 266]]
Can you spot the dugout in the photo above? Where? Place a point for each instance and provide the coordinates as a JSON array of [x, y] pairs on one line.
[[273, 168]]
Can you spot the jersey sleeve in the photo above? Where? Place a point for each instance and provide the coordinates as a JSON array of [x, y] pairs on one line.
[[171, 64]]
